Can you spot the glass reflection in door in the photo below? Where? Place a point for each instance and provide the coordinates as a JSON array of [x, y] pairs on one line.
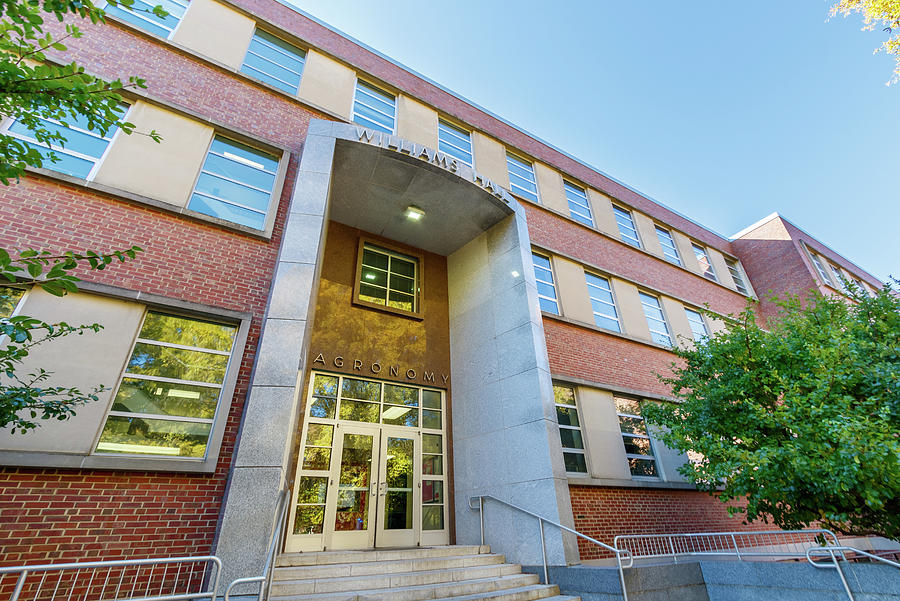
[[352, 512], [398, 503]]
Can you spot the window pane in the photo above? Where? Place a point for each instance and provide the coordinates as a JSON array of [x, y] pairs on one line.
[[643, 467], [571, 439], [627, 230], [226, 211], [431, 399], [549, 306], [431, 443], [9, 299], [179, 364], [431, 419], [455, 142], [575, 462], [323, 407], [274, 61], [312, 489], [153, 437], [433, 517], [432, 491], [319, 435], [564, 395], [432, 465], [359, 412], [637, 446], [163, 398], [400, 416], [375, 259], [325, 385], [316, 459], [567, 416], [364, 390], [188, 332], [373, 294]]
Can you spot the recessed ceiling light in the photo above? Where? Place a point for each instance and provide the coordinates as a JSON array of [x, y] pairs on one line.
[[414, 213]]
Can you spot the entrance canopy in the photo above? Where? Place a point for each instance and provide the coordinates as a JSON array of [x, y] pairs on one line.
[[376, 177]]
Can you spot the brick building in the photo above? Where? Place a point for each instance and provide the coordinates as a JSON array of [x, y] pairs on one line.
[[359, 288]]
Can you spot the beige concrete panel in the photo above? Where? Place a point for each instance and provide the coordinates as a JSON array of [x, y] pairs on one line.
[[573, 291], [328, 84], [164, 171], [688, 258], [668, 460], [715, 325], [550, 188], [647, 231], [604, 218], [631, 313], [215, 31], [718, 263], [490, 159], [73, 360], [417, 122], [679, 326], [602, 435]]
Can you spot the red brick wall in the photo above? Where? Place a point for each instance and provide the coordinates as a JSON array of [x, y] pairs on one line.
[[603, 513], [62, 515]]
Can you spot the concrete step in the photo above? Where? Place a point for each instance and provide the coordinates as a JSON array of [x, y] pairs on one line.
[[525, 593], [339, 557], [336, 570], [283, 588], [522, 585]]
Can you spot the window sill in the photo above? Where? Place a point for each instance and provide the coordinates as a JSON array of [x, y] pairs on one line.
[[106, 462], [622, 483], [598, 329]]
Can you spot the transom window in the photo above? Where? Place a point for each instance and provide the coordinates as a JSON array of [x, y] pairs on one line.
[[705, 265], [600, 292], [670, 251], [141, 15], [579, 207], [455, 141], [543, 274], [638, 448], [83, 151], [388, 278], [274, 61], [167, 400], [698, 325], [235, 183], [656, 320], [821, 269], [521, 178], [569, 429], [736, 276], [9, 300], [627, 230], [374, 108]]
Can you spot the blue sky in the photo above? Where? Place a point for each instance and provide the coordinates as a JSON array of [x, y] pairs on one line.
[[723, 111]]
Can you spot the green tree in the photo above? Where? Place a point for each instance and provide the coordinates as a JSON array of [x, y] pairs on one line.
[[26, 398], [798, 422], [877, 13]]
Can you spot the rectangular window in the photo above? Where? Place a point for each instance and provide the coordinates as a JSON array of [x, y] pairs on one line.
[[638, 448], [235, 183], [140, 14], [705, 265], [670, 251], [274, 61], [374, 108], [579, 207], [455, 141], [821, 269], [627, 231], [521, 178], [604, 306], [543, 273], [569, 429], [698, 325], [839, 277], [736, 276], [388, 279], [167, 400], [656, 320], [9, 300], [83, 150]]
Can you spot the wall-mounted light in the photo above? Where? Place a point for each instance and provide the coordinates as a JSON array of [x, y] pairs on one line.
[[414, 213]]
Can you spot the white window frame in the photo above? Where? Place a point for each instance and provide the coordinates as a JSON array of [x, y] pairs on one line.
[[665, 322], [665, 240], [736, 276], [645, 436], [48, 165], [695, 318], [454, 130], [626, 214], [552, 283], [702, 254], [181, 3], [527, 166], [368, 122], [265, 42], [823, 274], [615, 310], [578, 196], [573, 451]]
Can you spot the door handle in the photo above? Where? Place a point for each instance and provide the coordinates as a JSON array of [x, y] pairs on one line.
[[374, 488]]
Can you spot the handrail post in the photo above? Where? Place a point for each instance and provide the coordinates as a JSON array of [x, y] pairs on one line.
[[621, 575], [672, 549], [19, 585], [840, 572], [544, 551], [736, 549], [481, 517]]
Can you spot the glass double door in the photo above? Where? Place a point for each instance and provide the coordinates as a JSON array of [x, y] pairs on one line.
[[376, 484]]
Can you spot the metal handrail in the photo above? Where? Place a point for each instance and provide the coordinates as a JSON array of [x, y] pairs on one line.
[[541, 519], [265, 580], [833, 552], [115, 577]]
